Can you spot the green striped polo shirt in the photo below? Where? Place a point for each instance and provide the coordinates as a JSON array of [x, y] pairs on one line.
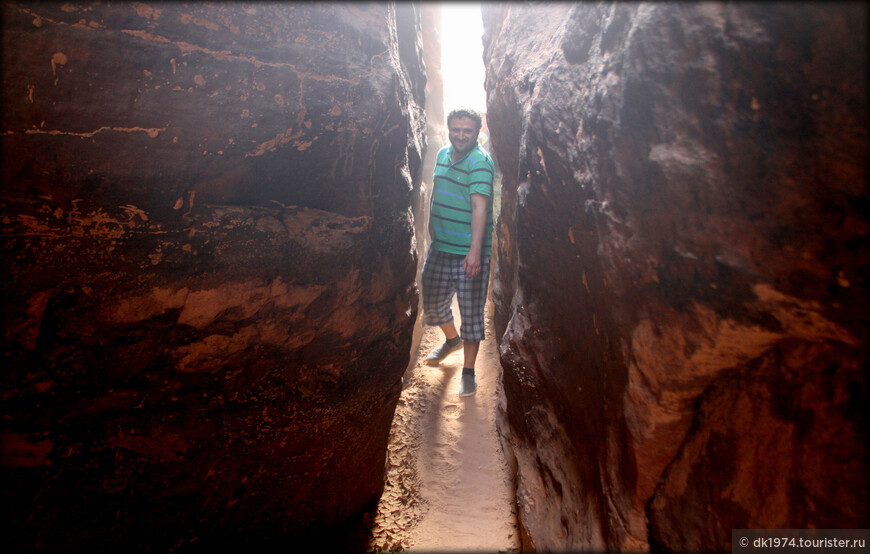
[[451, 202]]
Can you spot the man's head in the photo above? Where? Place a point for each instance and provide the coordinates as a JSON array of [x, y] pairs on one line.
[[463, 126]]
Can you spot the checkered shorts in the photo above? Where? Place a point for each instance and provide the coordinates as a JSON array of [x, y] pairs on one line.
[[442, 278]]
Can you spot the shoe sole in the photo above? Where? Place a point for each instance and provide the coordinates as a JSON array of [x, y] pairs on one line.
[[434, 361]]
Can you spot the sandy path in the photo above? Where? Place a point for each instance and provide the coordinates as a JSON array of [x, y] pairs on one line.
[[448, 485]]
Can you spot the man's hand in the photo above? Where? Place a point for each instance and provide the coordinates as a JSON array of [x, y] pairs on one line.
[[471, 265]]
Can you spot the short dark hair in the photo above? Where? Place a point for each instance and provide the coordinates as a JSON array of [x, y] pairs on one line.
[[466, 112]]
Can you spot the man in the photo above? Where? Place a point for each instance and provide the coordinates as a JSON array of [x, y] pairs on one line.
[[460, 224]]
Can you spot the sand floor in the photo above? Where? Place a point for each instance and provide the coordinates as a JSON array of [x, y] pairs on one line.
[[448, 486]]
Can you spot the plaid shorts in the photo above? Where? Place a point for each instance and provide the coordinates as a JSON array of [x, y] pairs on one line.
[[442, 278]]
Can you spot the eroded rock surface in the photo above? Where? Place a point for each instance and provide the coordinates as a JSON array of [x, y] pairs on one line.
[[681, 286], [208, 281], [436, 132]]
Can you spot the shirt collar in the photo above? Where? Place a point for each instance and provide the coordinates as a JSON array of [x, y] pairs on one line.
[[463, 158]]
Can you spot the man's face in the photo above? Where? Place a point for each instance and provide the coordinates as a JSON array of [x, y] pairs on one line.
[[463, 134]]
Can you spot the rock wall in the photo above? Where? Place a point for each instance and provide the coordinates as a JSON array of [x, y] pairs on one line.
[[208, 278], [436, 133], [682, 279]]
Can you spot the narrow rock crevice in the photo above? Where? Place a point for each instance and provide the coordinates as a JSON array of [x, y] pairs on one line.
[[214, 220]]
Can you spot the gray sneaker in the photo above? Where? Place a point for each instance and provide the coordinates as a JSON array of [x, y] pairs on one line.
[[468, 384], [449, 347]]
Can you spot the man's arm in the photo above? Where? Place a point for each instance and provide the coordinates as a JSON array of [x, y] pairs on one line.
[[429, 226], [471, 265]]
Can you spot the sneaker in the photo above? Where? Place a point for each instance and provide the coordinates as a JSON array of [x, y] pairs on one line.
[[468, 384], [449, 347]]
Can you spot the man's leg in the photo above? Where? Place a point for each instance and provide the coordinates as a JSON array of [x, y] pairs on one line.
[[469, 349], [438, 290], [451, 344], [472, 301], [449, 330], [468, 381]]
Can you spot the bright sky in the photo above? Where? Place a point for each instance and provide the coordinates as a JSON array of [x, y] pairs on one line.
[[462, 56]]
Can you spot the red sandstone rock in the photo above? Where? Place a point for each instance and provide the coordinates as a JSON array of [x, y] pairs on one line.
[[208, 279], [436, 133], [682, 268]]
